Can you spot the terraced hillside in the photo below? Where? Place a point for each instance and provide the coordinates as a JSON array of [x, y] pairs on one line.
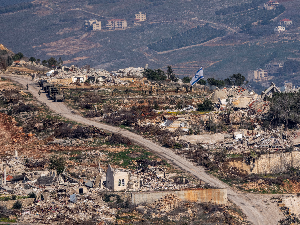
[[224, 37]]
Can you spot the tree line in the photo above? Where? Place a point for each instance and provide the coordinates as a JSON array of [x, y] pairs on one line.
[[160, 75], [14, 8], [284, 110], [239, 8]]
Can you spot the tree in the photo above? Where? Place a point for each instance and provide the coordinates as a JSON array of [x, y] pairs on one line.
[[52, 62], [235, 79], [207, 105], [38, 61], [32, 59], [284, 109], [31, 195], [291, 66], [202, 82], [44, 62], [214, 82], [57, 163], [169, 71], [154, 74], [17, 205], [171, 75], [60, 61], [186, 80], [18, 56], [3, 63]]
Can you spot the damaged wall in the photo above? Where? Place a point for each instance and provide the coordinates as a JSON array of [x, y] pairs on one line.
[[218, 196], [269, 163], [9, 204]]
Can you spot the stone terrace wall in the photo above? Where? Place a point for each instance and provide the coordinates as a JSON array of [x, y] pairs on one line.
[[276, 163], [269, 163], [217, 196], [9, 204]]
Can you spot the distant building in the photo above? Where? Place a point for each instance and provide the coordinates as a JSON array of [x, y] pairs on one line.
[[271, 5], [93, 24], [116, 24], [259, 75], [279, 29], [140, 17], [290, 88], [286, 22], [273, 68]]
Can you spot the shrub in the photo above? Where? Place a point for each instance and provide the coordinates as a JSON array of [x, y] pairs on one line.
[[17, 205], [119, 139], [57, 163], [207, 105], [31, 195]]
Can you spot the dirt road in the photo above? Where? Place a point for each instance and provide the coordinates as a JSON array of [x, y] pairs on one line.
[[258, 208]]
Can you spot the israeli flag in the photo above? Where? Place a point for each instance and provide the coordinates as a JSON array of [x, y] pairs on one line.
[[197, 77]]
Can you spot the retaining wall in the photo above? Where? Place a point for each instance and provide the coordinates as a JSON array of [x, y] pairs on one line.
[[217, 196], [269, 163], [9, 204]]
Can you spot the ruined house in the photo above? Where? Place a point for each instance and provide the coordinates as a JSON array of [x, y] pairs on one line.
[[116, 179], [270, 91]]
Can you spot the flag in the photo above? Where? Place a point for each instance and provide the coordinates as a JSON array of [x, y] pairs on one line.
[[197, 77]]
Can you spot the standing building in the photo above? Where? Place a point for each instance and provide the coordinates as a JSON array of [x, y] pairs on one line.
[[140, 17], [259, 75], [270, 5], [279, 29], [116, 24], [285, 22], [116, 179], [93, 24]]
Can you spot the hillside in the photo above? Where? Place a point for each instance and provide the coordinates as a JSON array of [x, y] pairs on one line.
[[232, 37]]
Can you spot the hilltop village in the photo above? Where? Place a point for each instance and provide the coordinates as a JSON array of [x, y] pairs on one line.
[[55, 171]]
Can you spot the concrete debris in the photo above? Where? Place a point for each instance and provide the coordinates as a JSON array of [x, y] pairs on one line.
[[167, 203]]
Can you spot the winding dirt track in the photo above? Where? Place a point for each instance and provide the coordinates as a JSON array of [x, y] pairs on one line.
[[258, 208]]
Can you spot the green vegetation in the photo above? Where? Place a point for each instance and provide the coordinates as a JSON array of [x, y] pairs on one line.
[[207, 105], [17, 205], [245, 19], [290, 67], [57, 163], [240, 7], [127, 158], [52, 62], [171, 75], [154, 74], [215, 82], [193, 36], [186, 80], [235, 79], [32, 59], [284, 109], [15, 8], [202, 82], [18, 56], [7, 220], [6, 198], [31, 195]]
